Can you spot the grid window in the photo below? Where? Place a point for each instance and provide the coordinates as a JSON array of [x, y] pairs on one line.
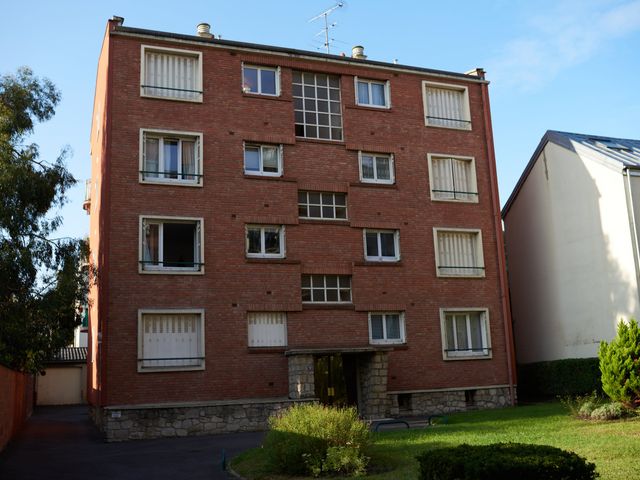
[[324, 205], [171, 74], [386, 327], [171, 157], [260, 80], [326, 288], [372, 93], [465, 333], [382, 245], [459, 253], [316, 103], [446, 106], [262, 159], [265, 241], [376, 168], [173, 245], [267, 329], [453, 178]]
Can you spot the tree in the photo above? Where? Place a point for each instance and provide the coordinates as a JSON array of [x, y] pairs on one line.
[[620, 365], [41, 279]]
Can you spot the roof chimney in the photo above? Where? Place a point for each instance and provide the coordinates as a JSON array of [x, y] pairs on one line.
[[204, 30], [476, 72], [117, 20], [358, 52]]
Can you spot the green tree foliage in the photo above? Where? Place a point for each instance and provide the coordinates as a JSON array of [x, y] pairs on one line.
[[620, 365], [41, 282]]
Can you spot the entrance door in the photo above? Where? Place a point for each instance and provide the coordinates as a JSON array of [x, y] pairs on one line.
[[336, 378]]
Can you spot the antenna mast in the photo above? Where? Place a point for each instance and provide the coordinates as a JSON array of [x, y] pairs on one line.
[[326, 28]]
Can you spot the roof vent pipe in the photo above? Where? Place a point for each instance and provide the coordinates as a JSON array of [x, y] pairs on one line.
[[204, 30], [358, 52]]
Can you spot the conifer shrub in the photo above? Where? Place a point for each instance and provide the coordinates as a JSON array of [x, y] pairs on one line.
[[620, 365]]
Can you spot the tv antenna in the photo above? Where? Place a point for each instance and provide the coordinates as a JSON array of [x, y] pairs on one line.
[[327, 25]]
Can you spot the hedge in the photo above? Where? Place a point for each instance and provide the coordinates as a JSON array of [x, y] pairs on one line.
[[573, 376]]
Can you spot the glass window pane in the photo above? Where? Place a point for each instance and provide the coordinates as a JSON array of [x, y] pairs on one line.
[[324, 132], [314, 211], [253, 240], [345, 281], [336, 134], [306, 281], [297, 92], [252, 159], [332, 295], [314, 197], [302, 197], [188, 159], [341, 212], [299, 130], [170, 153], [461, 332], [345, 295], [317, 281], [268, 81], [363, 93], [318, 295], [327, 212], [297, 77], [450, 332], [309, 78], [387, 243], [250, 79], [323, 119], [367, 167], [312, 132], [377, 332], [476, 330], [377, 94], [310, 92], [372, 244], [334, 81], [321, 80], [393, 327], [270, 159], [334, 107], [340, 198], [383, 169], [306, 295], [152, 157], [323, 106], [334, 95], [331, 281], [150, 247], [178, 244], [272, 241], [322, 93], [336, 121]]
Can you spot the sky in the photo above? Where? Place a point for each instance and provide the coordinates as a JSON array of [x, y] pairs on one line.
[[570, 65]]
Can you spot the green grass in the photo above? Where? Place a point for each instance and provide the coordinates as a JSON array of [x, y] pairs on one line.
[[613, 446]]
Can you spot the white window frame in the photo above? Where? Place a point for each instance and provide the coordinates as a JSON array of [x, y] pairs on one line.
[[177, 52], [479, 269], [322, 217], [173, 134], [261, 172], [387, 92], [252, 336], [385, 340], [165, 311], [263, 254], [198, 269], [392, 168], [325, 288], [466, 121], [335, 133], [472, 197], [259, 68], [486, 352], [380, 258]]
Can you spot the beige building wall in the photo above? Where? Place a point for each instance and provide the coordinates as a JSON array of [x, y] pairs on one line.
[[63, 385]]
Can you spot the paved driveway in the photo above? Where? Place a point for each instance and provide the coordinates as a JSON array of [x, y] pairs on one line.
[[61, 443]]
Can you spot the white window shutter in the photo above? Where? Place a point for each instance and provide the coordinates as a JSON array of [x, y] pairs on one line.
[[267, 329]]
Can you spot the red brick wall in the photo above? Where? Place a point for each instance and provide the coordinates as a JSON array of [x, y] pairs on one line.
[[16, 402], [232, 285]]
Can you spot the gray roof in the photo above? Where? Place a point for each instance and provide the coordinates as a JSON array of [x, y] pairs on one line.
[[70, 355], [622, 150]]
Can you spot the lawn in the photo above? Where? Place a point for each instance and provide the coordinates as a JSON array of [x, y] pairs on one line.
[[613, 446]]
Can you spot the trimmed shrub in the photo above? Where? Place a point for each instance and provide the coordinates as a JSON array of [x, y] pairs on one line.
[[544, 380], [620, 365], [311, 439], [504, 461], [609, 411]]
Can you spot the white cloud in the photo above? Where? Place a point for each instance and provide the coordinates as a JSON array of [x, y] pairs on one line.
[[565, 35]]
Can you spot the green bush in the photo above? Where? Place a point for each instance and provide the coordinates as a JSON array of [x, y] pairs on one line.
[[581, 406], [310, 439], [620, 365], [573, 376], [609, 411], [504, 461]]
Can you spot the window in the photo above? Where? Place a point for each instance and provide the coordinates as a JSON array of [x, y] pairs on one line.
[[267, 329], [260, 80], [316, 103], [382, 245], [262, 160], [376, 168], [265, 241], [172, 74], [171, 245], [372, 93], [458, 253], [170, 340], [386, 327], [465, 333], [171, 157], [331, 206], [326, 288], [453, 178], [446, 106]]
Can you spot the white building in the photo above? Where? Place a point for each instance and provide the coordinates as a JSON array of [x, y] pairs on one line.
[[571, 228]]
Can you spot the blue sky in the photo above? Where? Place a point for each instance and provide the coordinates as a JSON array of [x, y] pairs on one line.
[[568, 65]]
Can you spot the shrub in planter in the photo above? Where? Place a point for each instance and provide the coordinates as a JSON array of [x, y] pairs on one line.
[[504, 461], [620, 365], [310, 439]]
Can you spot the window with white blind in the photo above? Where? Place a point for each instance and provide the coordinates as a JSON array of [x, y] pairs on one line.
[[453, 178], [465, 333], [326, 288], [170, 157], [316, 104], [170, 340], [171, 74], [386, 327], [171, 245], [267, 329], [262, 159], [376, 168], [458, 252], [446, 105]]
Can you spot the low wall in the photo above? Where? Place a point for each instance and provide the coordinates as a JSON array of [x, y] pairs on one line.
[[16, 402]]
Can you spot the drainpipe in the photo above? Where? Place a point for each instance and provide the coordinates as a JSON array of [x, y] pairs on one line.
[[627, 171], [497, 221]]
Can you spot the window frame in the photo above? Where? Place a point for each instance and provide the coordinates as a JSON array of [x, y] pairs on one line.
[[284, 327], [161, 311], [263, 254], [469, 354], [474, 196], [386, 341], [392, 168], [276, 70], [478, 252], [324, 288], [199, 265], [466, 107], [316, 111], [179, 135], [321, 205], [261, 172], [176, 52], [380, 258], [387, 92]]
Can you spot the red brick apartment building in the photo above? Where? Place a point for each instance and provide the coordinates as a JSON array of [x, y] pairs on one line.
[[272, 226]]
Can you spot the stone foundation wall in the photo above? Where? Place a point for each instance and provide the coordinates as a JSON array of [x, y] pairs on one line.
[[374, 402], [301, 377], [156, 421]]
